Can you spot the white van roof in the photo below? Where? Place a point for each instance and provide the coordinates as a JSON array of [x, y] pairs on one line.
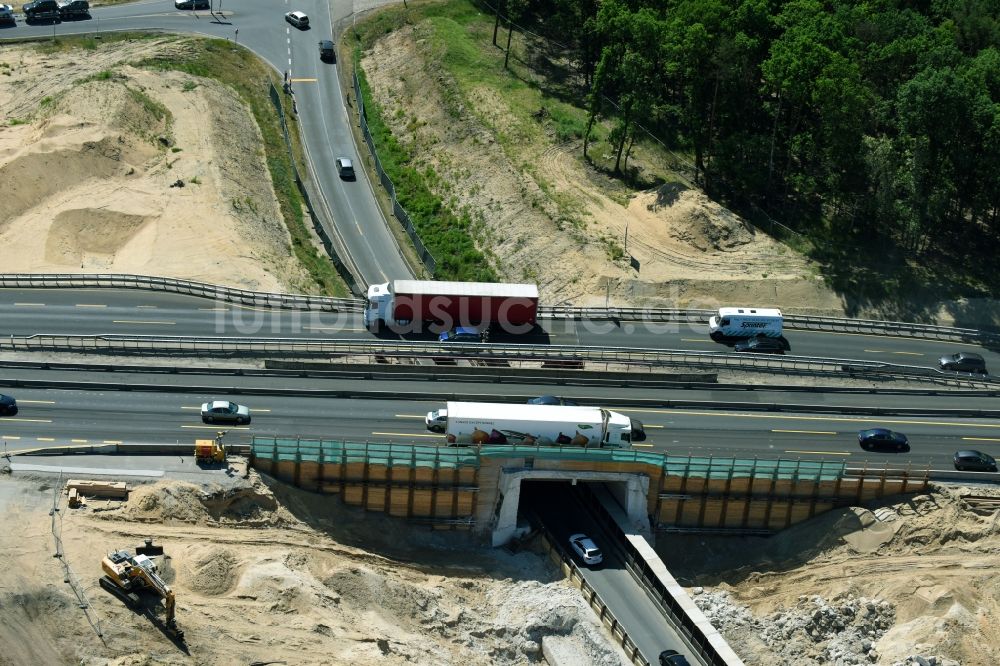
[[758, 312]]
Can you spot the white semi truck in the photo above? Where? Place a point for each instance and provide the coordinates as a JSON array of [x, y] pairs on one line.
[[745, 323], [465, 423]]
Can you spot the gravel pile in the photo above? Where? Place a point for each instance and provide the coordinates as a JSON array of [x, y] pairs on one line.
[[841, 631]]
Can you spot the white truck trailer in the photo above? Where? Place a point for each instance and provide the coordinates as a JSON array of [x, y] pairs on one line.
[[465, 423], [745, 323]]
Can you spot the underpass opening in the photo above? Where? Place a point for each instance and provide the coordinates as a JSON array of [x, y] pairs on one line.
[[525, 491]]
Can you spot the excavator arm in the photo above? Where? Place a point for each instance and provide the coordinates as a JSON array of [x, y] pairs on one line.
[[124, 574]]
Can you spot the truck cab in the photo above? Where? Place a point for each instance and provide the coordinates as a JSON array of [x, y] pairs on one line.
[[378, 307], [620, 430]]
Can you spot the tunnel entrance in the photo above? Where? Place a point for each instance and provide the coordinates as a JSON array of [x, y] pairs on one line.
[[552, 494]]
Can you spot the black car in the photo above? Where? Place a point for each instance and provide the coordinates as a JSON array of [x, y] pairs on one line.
[[552, 400], [760, 345], [345, 168], [326, 51], [192, 4], [976, 461], [963, 362], [884, 439], [71, 9], [8, 406], [673, 658], [41, 10]]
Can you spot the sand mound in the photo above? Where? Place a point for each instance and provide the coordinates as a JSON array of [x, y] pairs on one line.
[[179, 502], [80, 234], [212, 572]]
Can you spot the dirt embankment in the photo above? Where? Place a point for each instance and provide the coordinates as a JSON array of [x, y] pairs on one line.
[[109, 168], [279, 576]]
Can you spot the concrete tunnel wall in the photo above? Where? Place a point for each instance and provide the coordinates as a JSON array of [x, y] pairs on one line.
[[630, 490]]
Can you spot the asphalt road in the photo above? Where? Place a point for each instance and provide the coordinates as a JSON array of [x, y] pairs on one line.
[[64, 417], [134, 312], [325, 121]]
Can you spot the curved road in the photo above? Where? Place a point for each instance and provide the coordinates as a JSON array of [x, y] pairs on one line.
[[325, 123]]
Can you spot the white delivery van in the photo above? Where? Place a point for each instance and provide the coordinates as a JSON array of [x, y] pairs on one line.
[[745, 323]]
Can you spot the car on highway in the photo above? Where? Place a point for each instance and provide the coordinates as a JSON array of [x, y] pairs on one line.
[[673, 658], [884, 439], [963, 362], [191, 4], [223, 411], [974, 461], [7, 15], [298, 19], [586, 549], [327, 53], [41, 10], [552, 400], [74, 9], [345, 168], [8, 405], [461, 334], [760, 345]]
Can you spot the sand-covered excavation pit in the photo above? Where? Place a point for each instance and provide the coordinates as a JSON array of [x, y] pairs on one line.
[[110, 168], [279, 576]]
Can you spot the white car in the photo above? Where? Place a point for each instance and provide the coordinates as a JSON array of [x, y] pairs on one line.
[[223, 411], [298, 19], [586, 549]]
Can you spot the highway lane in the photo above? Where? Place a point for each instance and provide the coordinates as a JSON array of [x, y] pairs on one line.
[[324, 119], [58, 417], [135, 312]]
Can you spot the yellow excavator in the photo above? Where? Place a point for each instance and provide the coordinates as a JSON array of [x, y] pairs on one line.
[[125, 576]]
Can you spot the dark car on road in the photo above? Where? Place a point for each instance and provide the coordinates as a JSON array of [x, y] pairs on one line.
[[326, 51], [673, 658], [883, 439], [8, 406], [963, 362], [74, 9], [345, 168], [192, 4], [41, 10], [974, 461], [552, 400], [760, 345]]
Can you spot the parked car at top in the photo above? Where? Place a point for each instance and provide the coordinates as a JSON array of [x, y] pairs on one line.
[[74, 9], [345, 168], [963, 362], [586, 549], [192, 4], [327, 53], [975, 461], [7, 15], [298, 19], [883, 439], [8, 406], [673, 658], [553, 400], [41, 10], [462, 334], [223, 411], [760, 345]]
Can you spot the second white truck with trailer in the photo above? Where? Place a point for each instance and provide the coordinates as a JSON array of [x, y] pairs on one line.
[[745, 323], [476, 423]]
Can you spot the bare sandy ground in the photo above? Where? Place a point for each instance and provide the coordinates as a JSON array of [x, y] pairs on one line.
[[279, 576], [92, 176]]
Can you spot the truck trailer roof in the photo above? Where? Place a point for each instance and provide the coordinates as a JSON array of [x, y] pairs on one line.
[[435, 288], [545, 413], [759, 312]]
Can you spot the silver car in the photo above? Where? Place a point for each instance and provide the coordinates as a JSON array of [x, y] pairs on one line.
[[586, 549], [223, 411]]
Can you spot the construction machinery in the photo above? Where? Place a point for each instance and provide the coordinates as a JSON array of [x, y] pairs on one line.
[[127, 576], [210, 451]]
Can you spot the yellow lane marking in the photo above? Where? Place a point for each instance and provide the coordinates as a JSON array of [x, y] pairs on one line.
[[836, 419], [136, 321], [198, 408], [215, 427], [910, 353], [981, 439], [32, 305], [9, 437], [28, 420], [113, 441], [653, 426], [91, 305], [807, 432], [404, 434], [883, 351], [408, 416], [37, 402], [643, 444], [698, 340], [258, 409], [46, 439], [821, 453], [303, 80], [147, 307], [331, 328], [78, 441]]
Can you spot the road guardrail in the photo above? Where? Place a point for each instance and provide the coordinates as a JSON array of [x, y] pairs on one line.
[[550, 356]]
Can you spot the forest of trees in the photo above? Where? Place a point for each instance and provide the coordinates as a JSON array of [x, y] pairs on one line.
[[874, 118]]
